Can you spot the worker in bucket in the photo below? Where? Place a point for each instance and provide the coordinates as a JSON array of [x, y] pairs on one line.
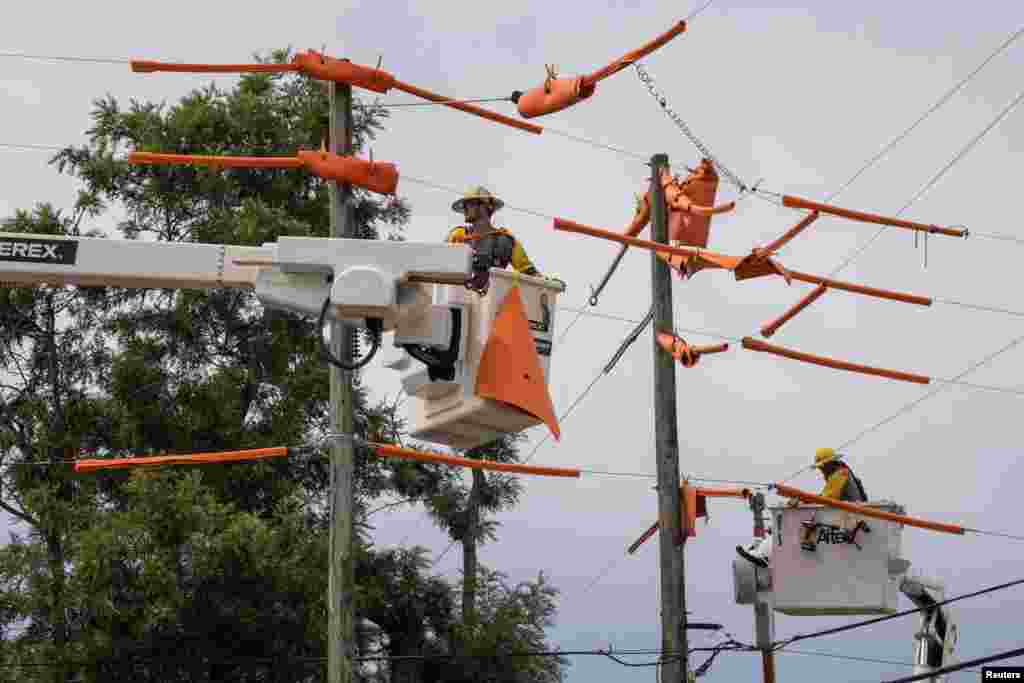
[[840, 484], [492, 246]]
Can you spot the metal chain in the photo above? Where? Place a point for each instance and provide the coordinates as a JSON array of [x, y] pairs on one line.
[[646, 79]]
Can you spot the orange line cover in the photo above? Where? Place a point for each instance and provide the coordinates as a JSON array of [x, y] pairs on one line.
[[752, 344], [790, 492], [556, 94], [800, 203], [439, 458], [375, 176], [183, 459], [321, 67]]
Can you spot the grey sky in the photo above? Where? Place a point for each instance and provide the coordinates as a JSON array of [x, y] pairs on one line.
[[800, 95]]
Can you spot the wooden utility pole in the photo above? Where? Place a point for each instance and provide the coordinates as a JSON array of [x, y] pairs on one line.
[[670, 533], [341, 583]]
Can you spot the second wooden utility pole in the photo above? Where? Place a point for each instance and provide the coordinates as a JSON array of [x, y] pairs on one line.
[[341, 583], [670, 533]]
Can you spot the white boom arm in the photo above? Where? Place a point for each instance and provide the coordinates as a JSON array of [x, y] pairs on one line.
[[937, 637], [362, 278]]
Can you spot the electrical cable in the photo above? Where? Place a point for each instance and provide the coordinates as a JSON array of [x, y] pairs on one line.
[[921, 119], [932, 182], [60, 58], [868, 622], [873, 660], [913, 404], [957, 667]]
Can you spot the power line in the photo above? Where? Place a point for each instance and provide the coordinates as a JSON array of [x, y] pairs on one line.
[[853, 658], [994, 236], [441, 102], [957, 667], [868, 622], [931, 110], [913, 404], [13, 145], [63, 58], [931, 183]]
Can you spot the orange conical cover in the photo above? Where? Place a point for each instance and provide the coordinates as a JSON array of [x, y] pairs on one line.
[[510, 369]]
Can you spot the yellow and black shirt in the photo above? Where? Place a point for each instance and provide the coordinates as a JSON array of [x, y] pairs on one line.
[[503, 247]]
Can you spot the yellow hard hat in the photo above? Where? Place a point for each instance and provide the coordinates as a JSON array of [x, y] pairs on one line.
[[481, 193], [823, 456]]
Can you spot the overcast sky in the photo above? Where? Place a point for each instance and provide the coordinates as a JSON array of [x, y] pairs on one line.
[[800, 95]]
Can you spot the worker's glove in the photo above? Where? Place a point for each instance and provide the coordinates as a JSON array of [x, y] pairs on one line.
[[555, 278]]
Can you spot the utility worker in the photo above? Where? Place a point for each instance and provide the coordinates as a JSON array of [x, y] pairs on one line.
[[492, 246], [840, 484]]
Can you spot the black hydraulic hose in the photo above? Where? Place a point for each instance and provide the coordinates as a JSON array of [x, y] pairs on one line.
[[374, 325]]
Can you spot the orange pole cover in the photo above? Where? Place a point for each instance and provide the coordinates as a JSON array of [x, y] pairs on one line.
[[800, 203], [184, 459], [439, 458], [683, 352], [790, 492], [757, 345], [510, 371]]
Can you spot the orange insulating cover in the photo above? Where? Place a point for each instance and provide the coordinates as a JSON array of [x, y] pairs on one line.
[[144, 66], [771, 328], [469, 108], [773, 247], [557, 94], [571, 226], [756, 345], [642, 217], [324, 68], [510, 369], [374, 176], [208, 160], [516, 468], [790, 492], [696, 506], [185, 459], [800, 203], [690, 203], [683, 352], [860, 289], [370, 175], [637, 54]]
